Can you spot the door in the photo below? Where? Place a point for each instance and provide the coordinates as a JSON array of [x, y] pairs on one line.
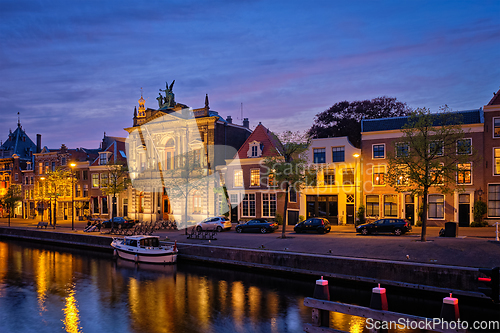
[[293, 217], [349, 213], [410, 208], [464, 210]]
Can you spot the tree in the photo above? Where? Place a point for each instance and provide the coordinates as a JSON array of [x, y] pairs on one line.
[[116, 183], [288, 166], [344, 118], [58, 184], [432, 151], [10, 199]]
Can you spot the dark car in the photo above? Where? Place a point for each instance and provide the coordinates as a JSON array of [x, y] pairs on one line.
[[395, 226], [316, 224], [257, 225], [119, 222]]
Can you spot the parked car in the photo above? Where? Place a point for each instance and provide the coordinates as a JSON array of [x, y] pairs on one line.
[[395, 226], [119, 222], [316, 224], [257, 225], [214, 223]]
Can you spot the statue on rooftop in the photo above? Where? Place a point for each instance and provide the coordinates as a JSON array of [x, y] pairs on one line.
[[169, 99]]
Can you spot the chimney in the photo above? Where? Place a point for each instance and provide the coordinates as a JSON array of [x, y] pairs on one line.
[[229, 120], [38, 143], [246, 123]]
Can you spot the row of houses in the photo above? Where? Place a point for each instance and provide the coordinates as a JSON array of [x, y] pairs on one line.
[[189, 164]]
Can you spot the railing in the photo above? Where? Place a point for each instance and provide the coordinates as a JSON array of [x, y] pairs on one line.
[[317, 305]]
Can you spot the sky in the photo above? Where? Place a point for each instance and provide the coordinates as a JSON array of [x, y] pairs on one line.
[[74, 69]]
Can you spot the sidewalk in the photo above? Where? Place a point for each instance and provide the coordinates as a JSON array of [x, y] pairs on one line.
[[474, 247]]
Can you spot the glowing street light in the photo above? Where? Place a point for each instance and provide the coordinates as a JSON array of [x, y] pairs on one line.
[[72, 165], [356, 156]]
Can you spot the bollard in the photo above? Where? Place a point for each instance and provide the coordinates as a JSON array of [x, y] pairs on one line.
[[321, 292], [449, 309], [379, 299]]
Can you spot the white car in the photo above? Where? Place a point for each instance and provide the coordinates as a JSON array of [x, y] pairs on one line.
[[214, 223]]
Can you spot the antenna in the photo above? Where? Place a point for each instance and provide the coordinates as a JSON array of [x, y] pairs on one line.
[[241, 109], [18, 119]]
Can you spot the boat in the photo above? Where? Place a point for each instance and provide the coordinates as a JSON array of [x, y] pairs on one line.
[[144, 248]]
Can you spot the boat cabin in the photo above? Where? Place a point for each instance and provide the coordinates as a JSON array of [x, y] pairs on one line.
[[143, 242]]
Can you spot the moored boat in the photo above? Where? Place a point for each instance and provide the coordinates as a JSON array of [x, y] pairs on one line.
[[143, 248]]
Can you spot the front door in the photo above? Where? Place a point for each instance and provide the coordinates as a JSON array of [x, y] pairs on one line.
[[166, 208], [349, 213], [464, 210], [410, 208], [293, 217]]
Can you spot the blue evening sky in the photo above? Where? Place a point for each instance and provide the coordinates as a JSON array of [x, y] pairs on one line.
[[74, 69]]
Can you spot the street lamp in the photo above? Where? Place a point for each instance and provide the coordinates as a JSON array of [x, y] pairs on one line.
[[42, 179], [356, 156], [72, 165]]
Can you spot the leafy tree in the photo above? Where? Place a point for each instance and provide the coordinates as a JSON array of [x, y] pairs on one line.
[[58, 183], [10, 199], [344, 118], [116, 183], [430, 152], [288, 166]]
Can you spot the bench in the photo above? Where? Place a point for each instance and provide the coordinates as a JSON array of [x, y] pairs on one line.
[[42, 224]]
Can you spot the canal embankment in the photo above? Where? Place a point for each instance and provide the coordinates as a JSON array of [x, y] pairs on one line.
[[460, 280]]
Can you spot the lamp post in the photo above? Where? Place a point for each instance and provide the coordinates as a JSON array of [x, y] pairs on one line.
[[72, 165], [42, 179], [356, 156]]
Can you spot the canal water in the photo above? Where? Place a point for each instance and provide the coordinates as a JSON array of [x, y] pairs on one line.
[[50, 289]]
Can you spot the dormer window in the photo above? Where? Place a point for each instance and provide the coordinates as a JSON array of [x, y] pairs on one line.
[[103, 158], [255, 149]]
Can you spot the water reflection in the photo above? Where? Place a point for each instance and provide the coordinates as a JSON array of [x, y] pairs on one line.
[[44, 289]]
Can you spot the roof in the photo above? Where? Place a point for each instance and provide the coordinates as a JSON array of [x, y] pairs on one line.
[[396, 123], [18, 143], [263, 135], [495, 100]]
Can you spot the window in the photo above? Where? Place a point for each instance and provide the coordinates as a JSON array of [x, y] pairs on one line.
[[95, 205], [319, 155], [270, 180], [105, 205], [238, 178], [32, 181], [436, 148], [248, 205], [254, 151], [496, 127], [292, 195], [85, 175], [464, 146], [329, 176], [77, 175], [348, 176], [255, 177], [390, 205], [372, 205], [103, 159], [402, 149], [464, 173], [269, 204], [63, 161], [403, 175], [46, 167], [436, 206], [197, 157], [40, 168], [379, 175], [436, 176], [104, 179], [95, 180], [27, 181], [379, 151], [85, 191], [16, 177], [338, 154], [311, 177], [77, 190], [197, 203], [494, 200], [53, 166]]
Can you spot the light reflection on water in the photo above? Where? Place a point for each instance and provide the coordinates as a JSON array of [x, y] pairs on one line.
[[45, 289]]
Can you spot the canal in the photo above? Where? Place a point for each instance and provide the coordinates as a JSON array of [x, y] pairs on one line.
[[51, 289]]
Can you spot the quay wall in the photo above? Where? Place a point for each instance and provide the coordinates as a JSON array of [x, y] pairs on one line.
[[433, 278]]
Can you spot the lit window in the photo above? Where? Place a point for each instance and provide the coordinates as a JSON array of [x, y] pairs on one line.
[[95, 180], [494, 200], [197, 203], [390, 205], [270, 180], [104, 179], [255, 177], [238, 178], [496, 126], [379, 175], [348, 176], [372, 205], [464, 173], [329, 176]]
